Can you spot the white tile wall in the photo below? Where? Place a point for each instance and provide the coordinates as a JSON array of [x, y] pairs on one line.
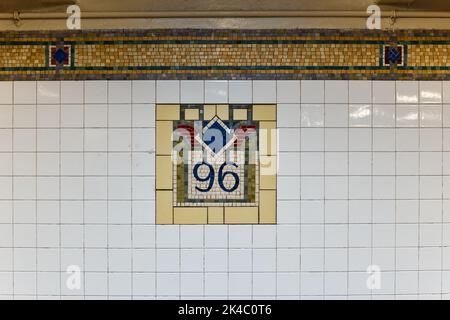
[[363, 181]]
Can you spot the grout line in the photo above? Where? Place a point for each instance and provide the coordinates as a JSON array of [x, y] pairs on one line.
[[348, 186], [419, 206], [131, 191], [13, 203], [323, 191], [60, 196], [84, 191], [36, 193], [442, 195], [108, 271], [300, 189]]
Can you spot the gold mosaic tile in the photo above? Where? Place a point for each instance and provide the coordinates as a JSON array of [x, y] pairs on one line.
[[22, 56]]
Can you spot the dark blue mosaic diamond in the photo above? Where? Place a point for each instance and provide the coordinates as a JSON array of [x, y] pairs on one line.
[[60, 55], [394, 55], [217, 135]]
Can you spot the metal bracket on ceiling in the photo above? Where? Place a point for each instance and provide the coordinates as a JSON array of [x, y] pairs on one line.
[[16, 18], [393, 20]]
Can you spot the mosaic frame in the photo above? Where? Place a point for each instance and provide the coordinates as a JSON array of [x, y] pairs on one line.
[[226, 54], [261, 210]]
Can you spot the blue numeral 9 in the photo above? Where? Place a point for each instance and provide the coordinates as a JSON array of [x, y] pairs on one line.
[[209, 177]]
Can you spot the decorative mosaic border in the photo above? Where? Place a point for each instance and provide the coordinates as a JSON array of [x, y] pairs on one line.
[[225, 54]]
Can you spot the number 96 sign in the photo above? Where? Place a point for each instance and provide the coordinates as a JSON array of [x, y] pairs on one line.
[[227, 180]]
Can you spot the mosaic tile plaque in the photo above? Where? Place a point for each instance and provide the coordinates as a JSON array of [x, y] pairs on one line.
[[214, 163]]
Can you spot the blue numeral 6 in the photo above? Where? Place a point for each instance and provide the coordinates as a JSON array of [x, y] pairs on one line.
[[221, 176]]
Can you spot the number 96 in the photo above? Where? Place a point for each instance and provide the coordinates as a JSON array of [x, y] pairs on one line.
[[221, 176]]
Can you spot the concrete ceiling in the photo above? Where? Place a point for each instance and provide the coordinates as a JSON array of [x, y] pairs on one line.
[[233, 14], [217, 5]]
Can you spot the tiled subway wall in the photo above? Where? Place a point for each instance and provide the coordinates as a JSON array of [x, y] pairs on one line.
[[363, 184]]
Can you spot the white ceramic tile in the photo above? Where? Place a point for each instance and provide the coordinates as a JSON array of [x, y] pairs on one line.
[[360, 163], [430, 116], [336, 187], [312, 91], [72, 115], [383, 91], [25, 92], [143, 91], [119, 115], [24, 164], [336, 139], [24, 116], [336, 91], [168, 91], [119, 163], [407, 139], [288, 115], [24, 140], [407, 187], [360, 115], [95, 115], [312, 139], [6, 92], [119, 91], [48, 116], [289, 163], [72, 92], [407, 116], [360, 187], [383, 115], [192, 91], [290, 188], [407, 92], [6, 116], [48, 92], [312, 115], [312, 188], [96, 91], [360, 91], [143, 115], [288, 91], [47, 164], [289, 139], [240, 91], [430, 163], [430, 139], [119, 139], [6, 139], [216, 91], [336, 115], [383, 163], [430, 91], [71, 139], [312, 163], [359, 139], [336, 163], [95, 140], [264, 91], [95, 188], [71, 164], [445, 91]]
